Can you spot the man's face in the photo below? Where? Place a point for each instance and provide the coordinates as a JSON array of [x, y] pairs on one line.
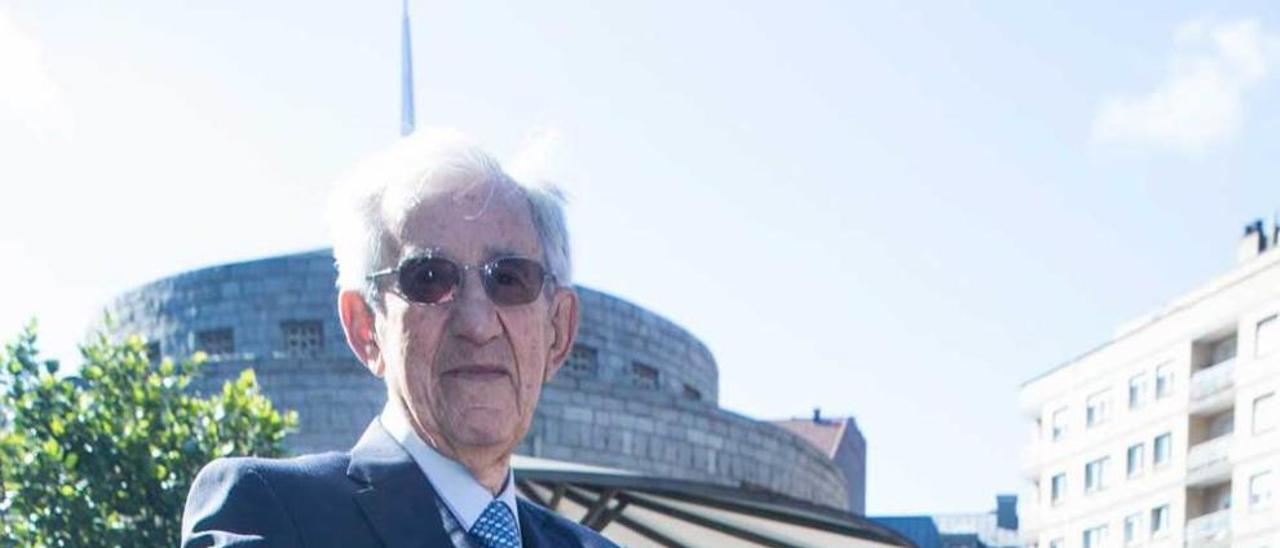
[[469, 371]]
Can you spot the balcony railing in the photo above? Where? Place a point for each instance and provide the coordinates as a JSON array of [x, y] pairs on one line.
[[1209, 528], [1213, 379], [1209, 459]]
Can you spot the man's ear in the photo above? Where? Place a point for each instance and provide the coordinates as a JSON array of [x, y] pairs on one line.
[[564, 325], [358, 324]]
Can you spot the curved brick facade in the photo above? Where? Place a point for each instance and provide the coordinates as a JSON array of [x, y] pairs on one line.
[[639, 392]]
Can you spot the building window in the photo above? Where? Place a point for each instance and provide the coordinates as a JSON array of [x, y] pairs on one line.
[[644, 376], [583, 361], [1137, 390], [1057, 488], [153, 352], [1059, 424], [1133, 528], [1134, 459], [302, 337], [1162, 449], [1267, 337], [692, 393], [216, 342], [1095, 536], [1264, 413], [1260, 490], [1159, 520], [1095, 474], [1096, 408], [1164, 380]]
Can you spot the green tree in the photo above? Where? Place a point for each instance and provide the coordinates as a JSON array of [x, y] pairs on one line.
[[105, 458]]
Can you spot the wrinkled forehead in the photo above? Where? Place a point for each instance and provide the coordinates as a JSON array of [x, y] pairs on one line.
[[467, 220]]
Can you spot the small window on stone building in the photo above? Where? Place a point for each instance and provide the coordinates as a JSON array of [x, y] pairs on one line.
[[153, 352], [216, 342], [692, 393], [583, 361], [645, 376], [302, 337]]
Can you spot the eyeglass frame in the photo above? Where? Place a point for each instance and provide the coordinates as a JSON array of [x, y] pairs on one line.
[[462, 279]]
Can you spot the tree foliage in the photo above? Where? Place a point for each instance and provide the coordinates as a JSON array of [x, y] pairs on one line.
[[105, 458]]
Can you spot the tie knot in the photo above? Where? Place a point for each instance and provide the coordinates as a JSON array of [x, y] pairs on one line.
[[496, 527]]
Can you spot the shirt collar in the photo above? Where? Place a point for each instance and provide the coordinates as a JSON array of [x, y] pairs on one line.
[[461, 493]]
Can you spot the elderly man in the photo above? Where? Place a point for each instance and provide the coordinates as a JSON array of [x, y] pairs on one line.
[[454, 288]]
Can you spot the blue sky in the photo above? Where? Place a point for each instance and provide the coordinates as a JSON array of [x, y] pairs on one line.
[[891, 211]]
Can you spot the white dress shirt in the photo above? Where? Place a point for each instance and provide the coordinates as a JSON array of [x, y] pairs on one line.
[[463, 498]]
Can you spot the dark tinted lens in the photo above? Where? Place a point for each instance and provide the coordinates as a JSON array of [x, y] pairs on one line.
[[513, 280], [428, 280]]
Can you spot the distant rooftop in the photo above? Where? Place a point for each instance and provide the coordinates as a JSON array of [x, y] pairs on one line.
[[825, 433]]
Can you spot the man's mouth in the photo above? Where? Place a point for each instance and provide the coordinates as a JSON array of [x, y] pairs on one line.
[[478, 372]]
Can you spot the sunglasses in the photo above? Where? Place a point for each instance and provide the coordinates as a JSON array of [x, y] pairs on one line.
[[508, 281]]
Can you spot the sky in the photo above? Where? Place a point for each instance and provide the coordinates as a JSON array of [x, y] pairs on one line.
[[892, 211]]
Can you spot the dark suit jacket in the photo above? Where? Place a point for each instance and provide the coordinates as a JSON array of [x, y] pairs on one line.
[[374, 496]]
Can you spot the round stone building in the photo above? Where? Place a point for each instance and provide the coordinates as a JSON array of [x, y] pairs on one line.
[[638, 392]]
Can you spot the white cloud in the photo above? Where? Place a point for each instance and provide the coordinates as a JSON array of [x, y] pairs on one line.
[[1201, 101], [29, 97]]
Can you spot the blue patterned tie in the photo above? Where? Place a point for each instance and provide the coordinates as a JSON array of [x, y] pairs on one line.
[[496, 527]]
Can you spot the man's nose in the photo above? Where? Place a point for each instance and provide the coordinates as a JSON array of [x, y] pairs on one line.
[[475, 317]]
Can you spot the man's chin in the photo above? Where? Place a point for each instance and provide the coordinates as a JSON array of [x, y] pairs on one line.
[[484, 432]]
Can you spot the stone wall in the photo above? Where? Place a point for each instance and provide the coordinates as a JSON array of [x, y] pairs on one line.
[[640, 392], [252, 298], [625, 335], [673, 437]]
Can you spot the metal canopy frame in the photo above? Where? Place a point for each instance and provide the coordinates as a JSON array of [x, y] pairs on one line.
[[608, 494]]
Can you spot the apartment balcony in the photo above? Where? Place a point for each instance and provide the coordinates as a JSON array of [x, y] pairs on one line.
[[1209, 530], [1209, 462], [1213, 388]]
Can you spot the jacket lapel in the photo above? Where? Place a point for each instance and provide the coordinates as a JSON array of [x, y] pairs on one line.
[[530, 528], [396, 498]]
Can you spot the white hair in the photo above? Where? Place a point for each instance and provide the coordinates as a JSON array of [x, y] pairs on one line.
[[380, 191]]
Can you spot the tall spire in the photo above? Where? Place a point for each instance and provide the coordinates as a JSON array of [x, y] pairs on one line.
[[407, 121]]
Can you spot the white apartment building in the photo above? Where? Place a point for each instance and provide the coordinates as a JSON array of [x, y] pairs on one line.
[[1167, 434]]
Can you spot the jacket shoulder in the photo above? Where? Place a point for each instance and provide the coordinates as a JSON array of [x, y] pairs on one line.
[[246, 501], [559, 530]]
